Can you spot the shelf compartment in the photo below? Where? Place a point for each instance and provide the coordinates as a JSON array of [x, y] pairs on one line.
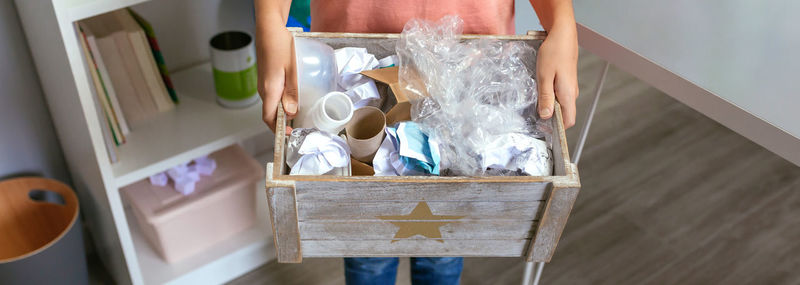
[[197, 126], [219, 264]]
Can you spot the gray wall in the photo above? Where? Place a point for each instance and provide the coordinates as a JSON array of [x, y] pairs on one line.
[[184, 27], [28, 143], [525, 18]]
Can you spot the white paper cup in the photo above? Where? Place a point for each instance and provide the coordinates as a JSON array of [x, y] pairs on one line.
[[365, 133], [233, 61]]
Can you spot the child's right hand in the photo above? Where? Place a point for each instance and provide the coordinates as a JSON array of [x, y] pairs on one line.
[[277, 79]]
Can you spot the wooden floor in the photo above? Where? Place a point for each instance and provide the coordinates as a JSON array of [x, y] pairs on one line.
[[669, 197]]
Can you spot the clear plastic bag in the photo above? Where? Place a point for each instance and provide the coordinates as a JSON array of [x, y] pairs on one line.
[[465, 94]]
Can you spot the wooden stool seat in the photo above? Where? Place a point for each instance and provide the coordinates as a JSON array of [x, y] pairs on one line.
[[34, 213]]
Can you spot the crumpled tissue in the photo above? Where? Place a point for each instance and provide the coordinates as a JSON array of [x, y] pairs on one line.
[[365, 95], [314, 152], [405, 151], [185, 175], [388, 61], [517, 152], [351, 61]]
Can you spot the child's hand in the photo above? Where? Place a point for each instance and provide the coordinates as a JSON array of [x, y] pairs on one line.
[[556, 69], [277, 79]]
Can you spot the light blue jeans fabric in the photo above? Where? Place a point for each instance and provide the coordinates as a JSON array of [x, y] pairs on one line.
[[383, 270]]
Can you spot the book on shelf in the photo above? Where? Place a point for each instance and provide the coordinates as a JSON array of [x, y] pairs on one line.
[[162, 65], [126, 56], [108, 125], [144, 56], [111, 150], [107, 116], [102, 37], [127, 71], [106, 84], [131, 62]]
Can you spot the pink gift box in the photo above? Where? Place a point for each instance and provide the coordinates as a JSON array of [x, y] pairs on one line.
[[221, 206]]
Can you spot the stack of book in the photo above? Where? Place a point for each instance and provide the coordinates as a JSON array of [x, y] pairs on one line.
[[130, 79]]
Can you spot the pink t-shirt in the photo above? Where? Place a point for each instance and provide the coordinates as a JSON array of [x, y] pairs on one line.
[[389, 16]]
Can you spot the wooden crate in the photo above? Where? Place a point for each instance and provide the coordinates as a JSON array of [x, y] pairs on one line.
[[336, 216]]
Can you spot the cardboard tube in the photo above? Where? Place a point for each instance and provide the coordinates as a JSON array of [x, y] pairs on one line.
[[365, 132]]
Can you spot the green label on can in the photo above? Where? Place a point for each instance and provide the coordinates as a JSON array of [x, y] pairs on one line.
[[236, 86]]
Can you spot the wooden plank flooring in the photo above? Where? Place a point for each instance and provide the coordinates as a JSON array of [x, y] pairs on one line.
[[669, 197]]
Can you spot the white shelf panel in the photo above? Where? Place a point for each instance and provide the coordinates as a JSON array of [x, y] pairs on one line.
[[222, 263], [82, 9], [197, 126]]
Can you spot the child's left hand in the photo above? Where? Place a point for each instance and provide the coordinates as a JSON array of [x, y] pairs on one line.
[[557, 72]]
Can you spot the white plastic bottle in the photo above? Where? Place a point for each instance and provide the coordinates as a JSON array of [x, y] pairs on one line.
[[316, 76]]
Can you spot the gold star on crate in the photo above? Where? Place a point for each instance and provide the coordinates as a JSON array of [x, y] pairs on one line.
[[421, 221]]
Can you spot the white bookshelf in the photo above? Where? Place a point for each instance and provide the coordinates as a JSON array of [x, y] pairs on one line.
[[81, 9], [195, 127]]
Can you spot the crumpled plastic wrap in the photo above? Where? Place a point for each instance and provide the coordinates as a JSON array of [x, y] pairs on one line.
[[467, 94]]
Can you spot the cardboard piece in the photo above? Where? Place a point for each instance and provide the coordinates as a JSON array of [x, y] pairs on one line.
[[389, 76], [359, 168], [399, 113]]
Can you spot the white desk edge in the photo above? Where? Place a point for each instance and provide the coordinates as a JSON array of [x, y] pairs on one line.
[[726, 113]]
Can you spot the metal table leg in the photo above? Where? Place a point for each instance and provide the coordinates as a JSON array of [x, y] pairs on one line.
[[576, 157], [539, 268], [529, 277], [526, 279]]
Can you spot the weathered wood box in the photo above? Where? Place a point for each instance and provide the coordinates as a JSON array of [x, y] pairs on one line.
[[336, 216]]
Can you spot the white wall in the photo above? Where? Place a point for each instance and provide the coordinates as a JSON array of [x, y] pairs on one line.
[[28, 143]]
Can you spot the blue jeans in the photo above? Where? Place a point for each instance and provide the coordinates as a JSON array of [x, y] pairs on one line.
[[383, 270]]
